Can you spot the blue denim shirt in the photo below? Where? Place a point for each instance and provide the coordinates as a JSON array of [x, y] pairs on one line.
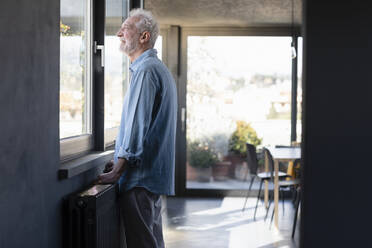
[[147, 132]]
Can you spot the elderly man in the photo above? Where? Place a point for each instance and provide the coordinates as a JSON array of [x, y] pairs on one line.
[[144, 156]]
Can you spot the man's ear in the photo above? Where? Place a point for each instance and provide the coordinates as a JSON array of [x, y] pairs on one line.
[[145, 37]]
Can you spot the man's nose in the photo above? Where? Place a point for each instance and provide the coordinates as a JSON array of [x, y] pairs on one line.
[[119, 33]]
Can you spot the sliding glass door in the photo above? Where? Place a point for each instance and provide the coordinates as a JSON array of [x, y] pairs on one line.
[[238, 89]]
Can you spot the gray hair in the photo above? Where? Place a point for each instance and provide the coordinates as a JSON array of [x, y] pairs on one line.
[[146, 22]]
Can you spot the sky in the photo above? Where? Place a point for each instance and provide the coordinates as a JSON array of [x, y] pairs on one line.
[[241, 55]]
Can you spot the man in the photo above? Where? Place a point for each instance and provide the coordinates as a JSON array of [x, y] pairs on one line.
[[145, 146]]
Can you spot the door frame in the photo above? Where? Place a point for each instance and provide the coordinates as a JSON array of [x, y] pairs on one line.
[[181, 143]]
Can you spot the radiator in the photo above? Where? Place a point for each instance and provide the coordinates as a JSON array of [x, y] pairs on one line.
[[93, 219]]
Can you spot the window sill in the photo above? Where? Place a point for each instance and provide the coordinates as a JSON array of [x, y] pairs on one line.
[[85, 163]]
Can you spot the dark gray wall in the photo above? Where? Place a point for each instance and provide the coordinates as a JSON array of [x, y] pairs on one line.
[[338, 121], [30, 193]]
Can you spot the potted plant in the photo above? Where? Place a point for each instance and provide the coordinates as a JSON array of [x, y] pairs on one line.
[[218, 142], [201, 157], [244, 133]]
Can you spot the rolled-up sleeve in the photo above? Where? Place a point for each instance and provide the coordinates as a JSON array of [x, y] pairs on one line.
[[137, 120]]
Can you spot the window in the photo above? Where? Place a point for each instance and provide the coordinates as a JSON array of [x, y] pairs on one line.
[[75, 69], [299, 89], [234, 82], [116, 69], [159, 46], [80, 73]]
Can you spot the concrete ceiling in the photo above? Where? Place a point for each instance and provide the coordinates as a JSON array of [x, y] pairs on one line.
[[236, 13]]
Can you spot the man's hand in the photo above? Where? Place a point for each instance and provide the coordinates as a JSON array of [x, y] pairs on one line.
[[109, 166], [114, 173]]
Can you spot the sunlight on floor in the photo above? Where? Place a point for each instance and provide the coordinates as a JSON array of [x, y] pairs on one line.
[[227, 226]]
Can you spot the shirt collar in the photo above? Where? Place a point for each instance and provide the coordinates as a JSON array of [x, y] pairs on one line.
[[136, 63]]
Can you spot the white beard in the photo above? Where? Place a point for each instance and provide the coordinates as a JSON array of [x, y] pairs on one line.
[[129, 46]]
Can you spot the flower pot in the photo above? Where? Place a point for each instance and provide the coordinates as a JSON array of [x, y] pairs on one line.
[[242, 171], [236, 161], [198, 174], [203, 174], [220, 170], [191, 173]]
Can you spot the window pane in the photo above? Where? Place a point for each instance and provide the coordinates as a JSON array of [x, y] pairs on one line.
[[237, 87], [74, 69], [299, 90], [159, 47], [115, 63]]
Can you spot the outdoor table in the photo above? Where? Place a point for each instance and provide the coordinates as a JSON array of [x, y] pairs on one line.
[[279, 155]]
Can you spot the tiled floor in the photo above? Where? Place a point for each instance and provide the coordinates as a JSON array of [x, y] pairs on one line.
[[220, 223]]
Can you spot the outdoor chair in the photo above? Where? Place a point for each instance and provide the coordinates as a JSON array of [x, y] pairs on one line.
[[263, 176]]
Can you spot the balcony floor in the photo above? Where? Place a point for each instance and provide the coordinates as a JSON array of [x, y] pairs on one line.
[[229, 184], [220, 223]]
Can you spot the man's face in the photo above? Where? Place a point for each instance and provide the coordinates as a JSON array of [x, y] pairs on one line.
[[129, 36]]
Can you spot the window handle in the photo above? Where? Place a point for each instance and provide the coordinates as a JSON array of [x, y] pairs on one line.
[[102, 49]]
